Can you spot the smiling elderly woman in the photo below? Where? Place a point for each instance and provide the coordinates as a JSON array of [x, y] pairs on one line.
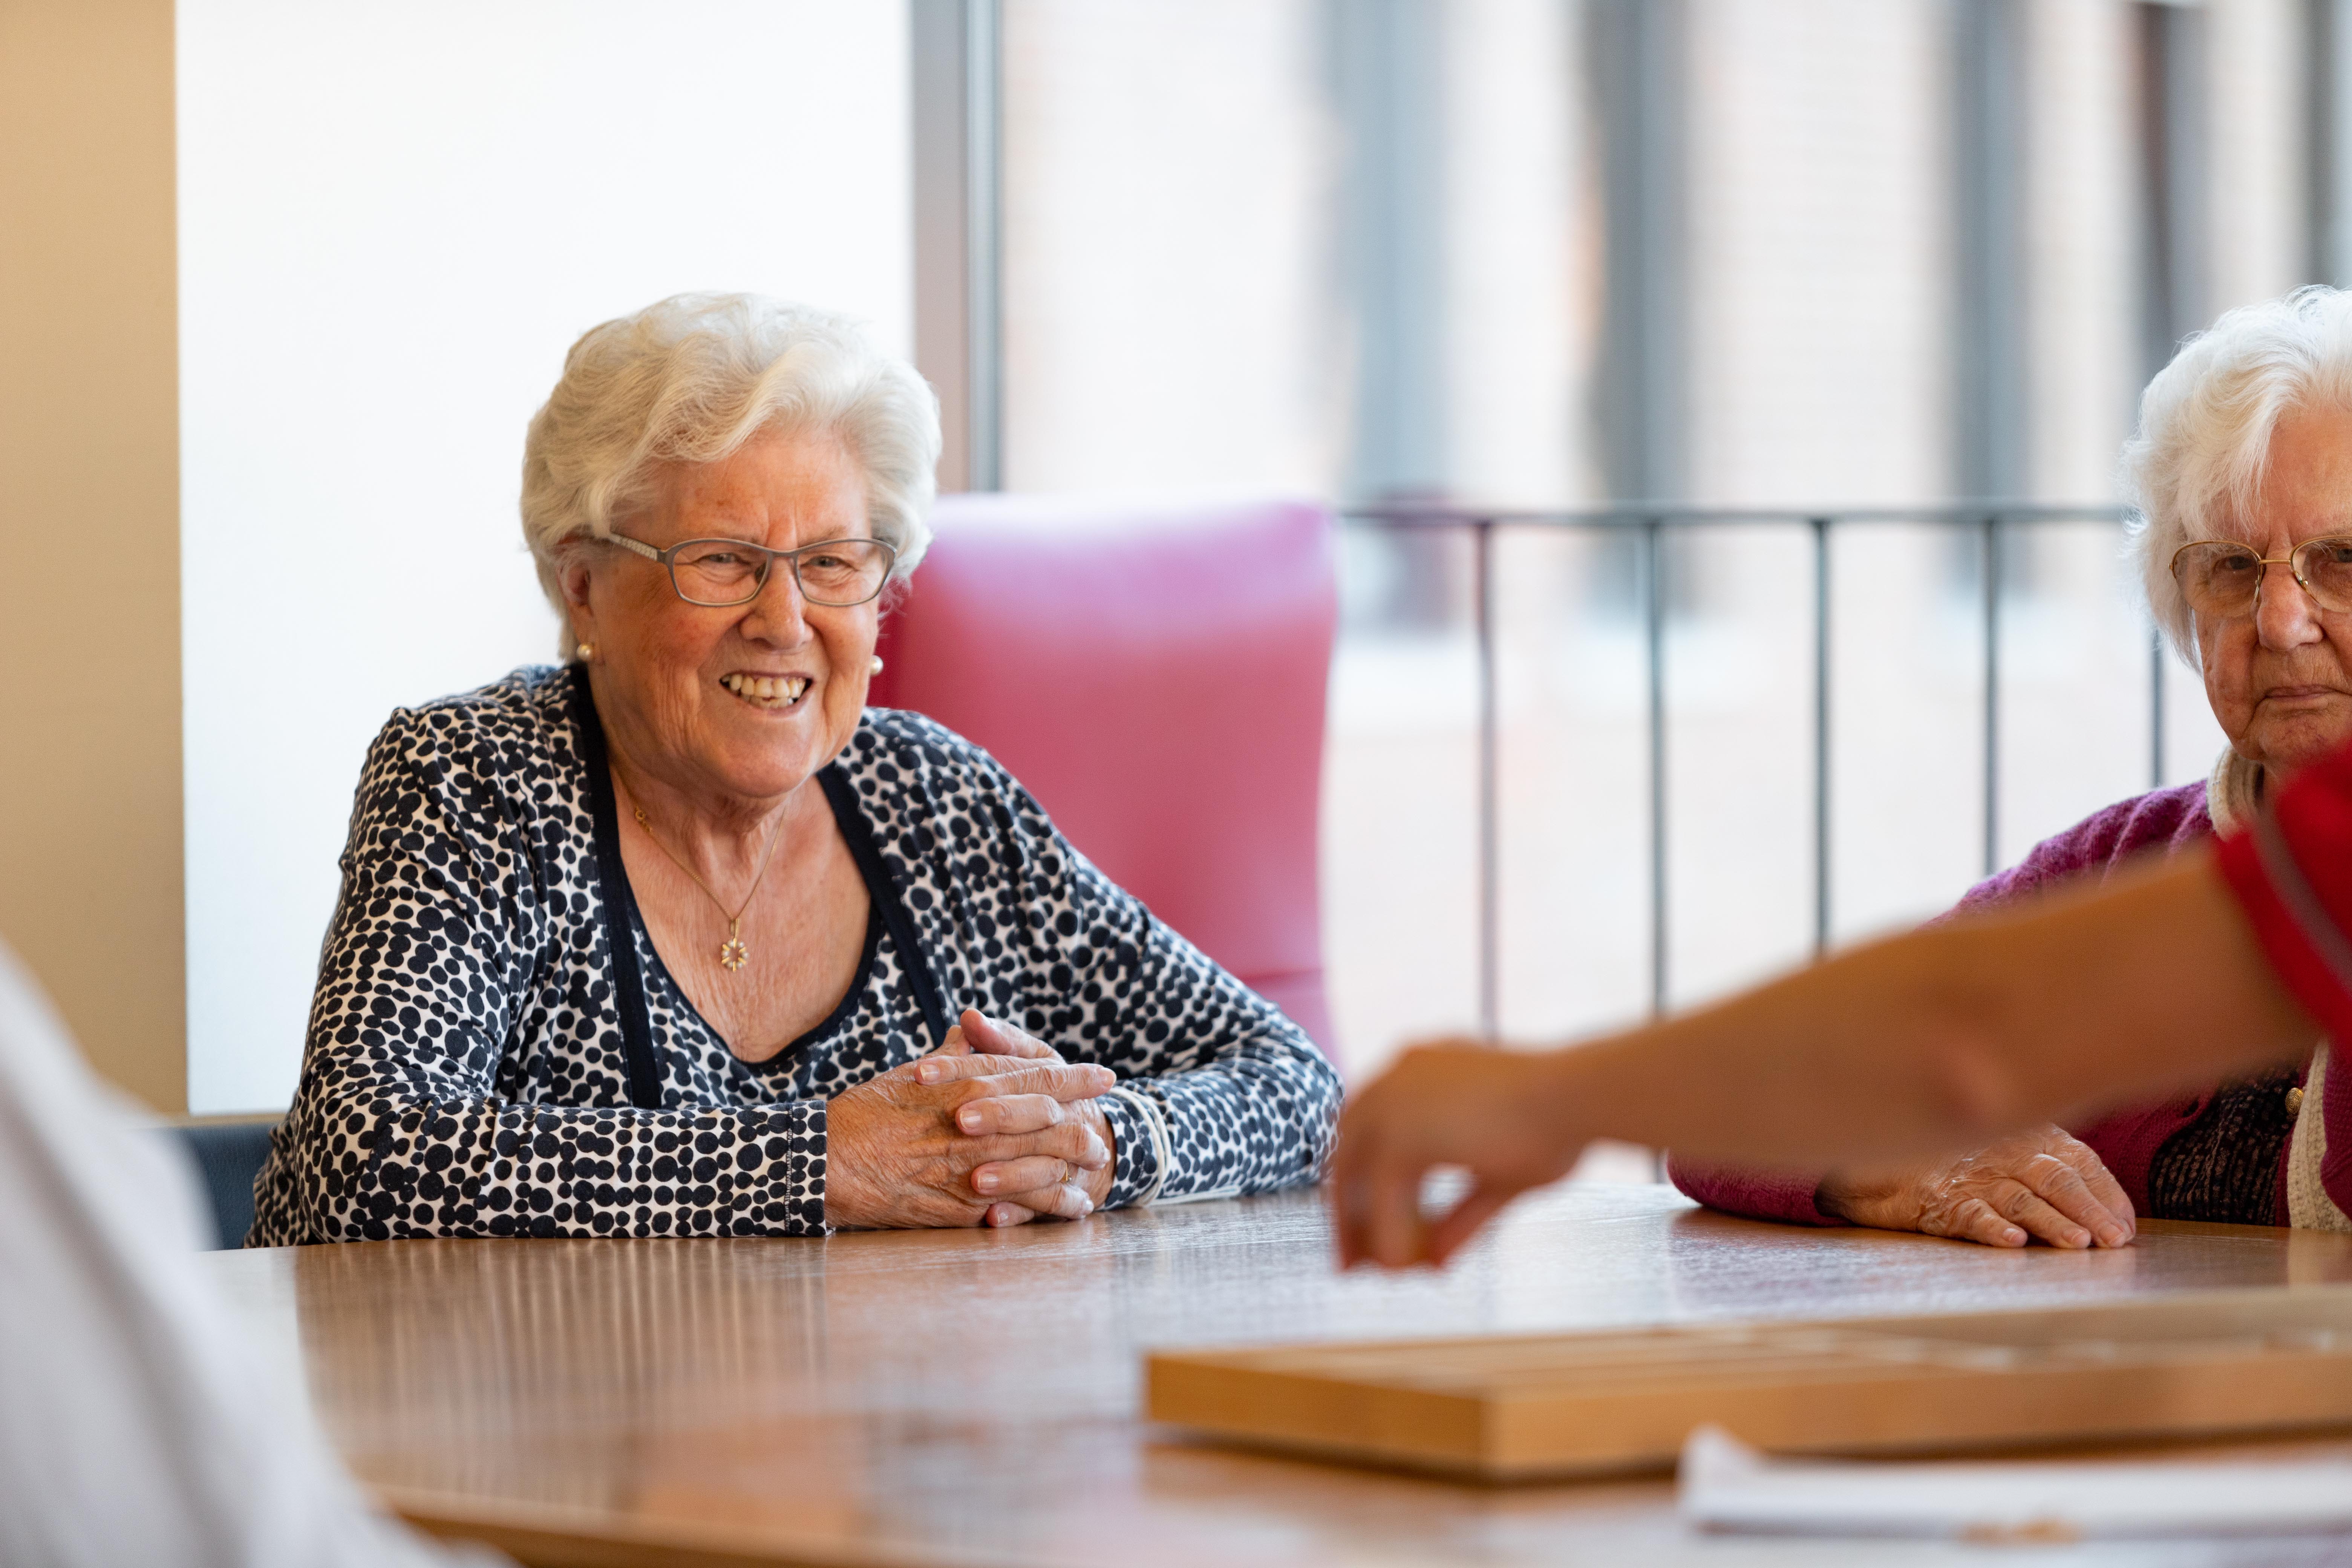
[[2242, 467], [672, 940]]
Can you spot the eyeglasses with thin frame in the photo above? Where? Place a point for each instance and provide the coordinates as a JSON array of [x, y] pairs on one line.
[[719, 574], [2220, 578]]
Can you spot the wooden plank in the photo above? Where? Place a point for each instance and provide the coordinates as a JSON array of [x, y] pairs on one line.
[[1546, 1406]]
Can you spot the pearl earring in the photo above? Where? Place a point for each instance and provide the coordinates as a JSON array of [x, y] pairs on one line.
[[875, 668], [585, 651]]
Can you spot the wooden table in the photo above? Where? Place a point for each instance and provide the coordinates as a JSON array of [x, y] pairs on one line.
[[970, 1397]]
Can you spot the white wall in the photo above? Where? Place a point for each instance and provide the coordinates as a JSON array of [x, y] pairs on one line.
[[394, 219], [1168, 168]]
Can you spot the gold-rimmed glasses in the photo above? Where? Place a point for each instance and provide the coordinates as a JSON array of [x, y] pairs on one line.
[[2220, 578], [722, 572]]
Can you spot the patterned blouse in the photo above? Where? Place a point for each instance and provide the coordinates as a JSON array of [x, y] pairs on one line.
[[496, 1048]]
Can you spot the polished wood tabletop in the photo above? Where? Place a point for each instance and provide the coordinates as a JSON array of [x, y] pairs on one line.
[[972, 1397]]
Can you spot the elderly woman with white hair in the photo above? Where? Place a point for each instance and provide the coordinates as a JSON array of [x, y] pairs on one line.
[[681, 939], [2242, 470]]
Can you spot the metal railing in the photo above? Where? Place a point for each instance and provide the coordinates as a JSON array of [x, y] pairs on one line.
[[1990, 520]]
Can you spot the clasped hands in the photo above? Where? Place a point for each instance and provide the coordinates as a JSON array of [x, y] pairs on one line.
[[992, 1129]]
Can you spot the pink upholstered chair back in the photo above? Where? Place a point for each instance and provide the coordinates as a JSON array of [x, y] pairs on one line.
[[1156, 678]]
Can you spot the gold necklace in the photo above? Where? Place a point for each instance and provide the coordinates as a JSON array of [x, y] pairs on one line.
[[732, 954]]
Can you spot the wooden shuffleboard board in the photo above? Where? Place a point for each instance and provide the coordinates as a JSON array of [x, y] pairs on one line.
[[1564, 1404]]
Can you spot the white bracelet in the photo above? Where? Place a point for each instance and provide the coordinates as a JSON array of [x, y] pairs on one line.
[[1149, 1110]]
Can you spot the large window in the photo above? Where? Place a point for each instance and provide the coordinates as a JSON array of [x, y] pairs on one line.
[[1786, 253]]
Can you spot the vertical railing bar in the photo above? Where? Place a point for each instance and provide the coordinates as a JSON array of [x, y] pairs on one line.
[[1654, 523], [1654, 622], [1820, 526], [984, 240], [2155, 711], [1989, 552], [1490, 790]]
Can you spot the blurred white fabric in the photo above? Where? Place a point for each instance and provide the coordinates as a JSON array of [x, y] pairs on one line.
[[1726, 1485], [136, 1424]]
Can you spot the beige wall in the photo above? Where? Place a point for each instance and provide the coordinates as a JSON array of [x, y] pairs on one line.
[[90, 878]]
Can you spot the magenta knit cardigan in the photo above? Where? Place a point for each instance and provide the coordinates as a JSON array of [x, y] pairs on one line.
[[2164, 822]]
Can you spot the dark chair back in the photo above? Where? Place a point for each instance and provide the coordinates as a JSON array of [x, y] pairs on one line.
[[229, 1154]]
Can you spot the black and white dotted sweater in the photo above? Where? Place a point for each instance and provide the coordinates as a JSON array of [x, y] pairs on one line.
[[478, 1064]]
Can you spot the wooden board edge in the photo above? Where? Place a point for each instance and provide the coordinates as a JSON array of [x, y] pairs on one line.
[[1451, 1430], [1537, 1441], [2054, 1411]]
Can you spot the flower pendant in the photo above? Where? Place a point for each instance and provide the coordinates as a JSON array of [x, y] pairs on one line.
[[733, 954]]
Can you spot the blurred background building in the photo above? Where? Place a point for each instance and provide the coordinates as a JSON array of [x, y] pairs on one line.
[[1737, 253]]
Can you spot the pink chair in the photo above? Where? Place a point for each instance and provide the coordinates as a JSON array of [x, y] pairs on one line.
[[1155, 676]]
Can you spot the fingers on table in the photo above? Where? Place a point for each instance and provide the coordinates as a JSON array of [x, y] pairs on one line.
[[2109, 1192], [2090, 1217], [2007, 1213], [1974, 1219], [1068, 1201], [1461, 1222], [1376, 1211], [1392, 1234], [1341, 1198]]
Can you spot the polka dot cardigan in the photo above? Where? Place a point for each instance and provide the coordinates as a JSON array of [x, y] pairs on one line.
[[495, 1048]]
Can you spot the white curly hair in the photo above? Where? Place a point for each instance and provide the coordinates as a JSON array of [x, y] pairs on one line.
[[691, 380], [2205, 426]]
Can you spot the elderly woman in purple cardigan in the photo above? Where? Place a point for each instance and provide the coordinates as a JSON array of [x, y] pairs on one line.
[[2242, 470]]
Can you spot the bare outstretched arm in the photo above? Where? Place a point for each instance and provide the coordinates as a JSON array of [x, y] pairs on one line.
[[1935, 1041]]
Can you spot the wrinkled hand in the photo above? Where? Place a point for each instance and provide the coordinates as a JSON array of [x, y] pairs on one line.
[[2041, 1183], [992, 1129], [1449, 1102], [976, 1032]]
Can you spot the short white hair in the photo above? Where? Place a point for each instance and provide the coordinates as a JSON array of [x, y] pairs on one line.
[[2205, 427], [691, 380]]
